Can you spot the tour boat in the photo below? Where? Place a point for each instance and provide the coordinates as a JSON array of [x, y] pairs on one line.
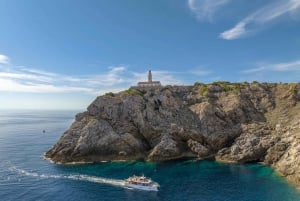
[[141, 183]]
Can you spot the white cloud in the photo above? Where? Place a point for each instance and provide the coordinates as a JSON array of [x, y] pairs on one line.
[[4, 59], [16, 86], [236, 32], [38, 72], [289, 66], [293, 66], [25, 76], [115, 78], [117, 75], [200, 72], [167, 77], [117, 69], [74, 91], [205, 9], [37, 81], [260, 18], [254, 70]]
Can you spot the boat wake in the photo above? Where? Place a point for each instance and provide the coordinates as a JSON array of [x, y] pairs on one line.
[[79, 177]]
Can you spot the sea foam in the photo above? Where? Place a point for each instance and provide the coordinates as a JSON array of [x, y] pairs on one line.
[[79, 177]]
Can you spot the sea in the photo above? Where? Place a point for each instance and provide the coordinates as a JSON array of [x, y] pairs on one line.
[[26, 176]]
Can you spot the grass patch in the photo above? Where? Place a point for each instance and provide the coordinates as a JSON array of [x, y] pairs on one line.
[[293, 90], [196, 84], [203, 90], [167, 87], [220, 83], [111, 94], [132, 91], [237, 86], [227, 86]]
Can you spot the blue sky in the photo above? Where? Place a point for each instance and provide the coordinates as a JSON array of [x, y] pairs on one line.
[[61, 54]]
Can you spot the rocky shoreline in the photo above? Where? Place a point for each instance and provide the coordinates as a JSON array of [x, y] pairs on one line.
[[232, 122]]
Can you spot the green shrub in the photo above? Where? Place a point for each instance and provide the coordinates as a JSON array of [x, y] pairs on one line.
[[227, 88], [198, 84], [110, 94], [203, 90], [132, 91], [221, 83], [167, 87], [237, 86], [293, 90]]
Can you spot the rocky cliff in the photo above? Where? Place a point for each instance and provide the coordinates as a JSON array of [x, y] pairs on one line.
[[232, 122]]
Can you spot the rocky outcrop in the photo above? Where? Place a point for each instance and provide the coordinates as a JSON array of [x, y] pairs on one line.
[[250, 146], [233, 122], [284, 156]]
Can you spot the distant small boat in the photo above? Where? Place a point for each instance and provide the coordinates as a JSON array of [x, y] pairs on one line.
[[141, 183]]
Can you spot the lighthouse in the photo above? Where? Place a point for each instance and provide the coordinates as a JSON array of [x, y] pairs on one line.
[[149, 76], [150, 83]]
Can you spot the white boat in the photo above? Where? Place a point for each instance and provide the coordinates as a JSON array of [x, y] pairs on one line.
[[141, 183]]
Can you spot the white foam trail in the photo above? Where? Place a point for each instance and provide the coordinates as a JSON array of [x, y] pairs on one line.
[[80, 177]]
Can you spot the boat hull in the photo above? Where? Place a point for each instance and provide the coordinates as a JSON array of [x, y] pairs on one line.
[[144, 188]]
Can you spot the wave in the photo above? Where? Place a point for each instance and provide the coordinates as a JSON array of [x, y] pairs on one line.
[[79, 177]]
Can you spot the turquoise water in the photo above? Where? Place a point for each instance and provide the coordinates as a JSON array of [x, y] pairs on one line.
[[25, 175]]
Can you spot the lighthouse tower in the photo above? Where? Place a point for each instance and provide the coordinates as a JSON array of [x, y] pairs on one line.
[[150, 83], [149, 76]]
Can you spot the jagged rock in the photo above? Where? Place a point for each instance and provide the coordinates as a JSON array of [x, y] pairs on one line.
[[166, 149], [275, 153], [198, 148], [251, 146], [284, 156], [235, 122]]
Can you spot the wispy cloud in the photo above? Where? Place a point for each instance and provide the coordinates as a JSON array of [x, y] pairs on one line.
[[114, 78], [261, 17], [254, 70], [24, 79], [200, 72], [4, 59], [25, 76], [293, 66], [32, 80], [17, 86], [37, 72], [205, 9]]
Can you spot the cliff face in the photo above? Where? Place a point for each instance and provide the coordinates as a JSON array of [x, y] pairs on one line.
[[233, 122]]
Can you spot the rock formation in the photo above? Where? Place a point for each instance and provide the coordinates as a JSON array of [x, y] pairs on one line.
[[232, 122]]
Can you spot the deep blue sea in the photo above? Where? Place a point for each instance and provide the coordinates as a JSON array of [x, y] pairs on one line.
[[25, 175]]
